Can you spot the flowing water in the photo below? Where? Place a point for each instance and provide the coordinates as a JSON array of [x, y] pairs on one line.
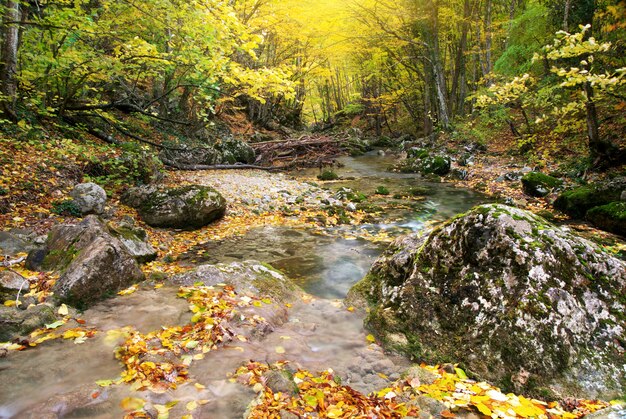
[[57, 378]]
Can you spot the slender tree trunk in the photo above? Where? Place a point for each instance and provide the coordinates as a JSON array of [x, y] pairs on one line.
[[439, 77], [568, 5], [8, 68], [488, 40], [458, 82], [593, 132]]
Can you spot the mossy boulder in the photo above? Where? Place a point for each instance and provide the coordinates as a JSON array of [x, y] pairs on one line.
[[328, 175], [514, 299], [185, 207], [92, 263], [539, 184], [610, 217], [576, 202], [134, 239]]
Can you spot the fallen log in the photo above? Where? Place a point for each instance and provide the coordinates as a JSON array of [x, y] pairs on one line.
[[179, 166]]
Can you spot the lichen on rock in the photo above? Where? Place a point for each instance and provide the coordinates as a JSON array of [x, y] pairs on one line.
[[514, 299]]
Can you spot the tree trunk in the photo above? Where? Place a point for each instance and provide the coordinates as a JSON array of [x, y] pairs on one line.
[[488, 38], [566, 11], [439, 77], [593, 132], [8, 69]]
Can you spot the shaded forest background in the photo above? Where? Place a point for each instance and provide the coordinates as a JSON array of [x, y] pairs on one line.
[[547, 73]]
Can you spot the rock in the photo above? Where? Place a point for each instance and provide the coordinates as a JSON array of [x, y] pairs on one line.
[[92, 262], [610, 217], [538, 184], [279, 381], [235, 151], [513, 176], [426, 165], [505, 291], [10, 285], [614, 412], [185, 207], [458, 174], [576, 202], [15, 322], [13, 242], [249, 277], [89, 197], [226, 151], [135, 240]]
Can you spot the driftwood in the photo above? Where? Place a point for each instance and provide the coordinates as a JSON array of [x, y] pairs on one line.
[[307, 150]]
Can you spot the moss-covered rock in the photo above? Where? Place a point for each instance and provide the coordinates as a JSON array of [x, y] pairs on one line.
[[610, 217], [576, 202], [506, 294], [16, 322], [539, 184], [185, 207], [92, 263], [328, 175], [425, 164], [235, 151]]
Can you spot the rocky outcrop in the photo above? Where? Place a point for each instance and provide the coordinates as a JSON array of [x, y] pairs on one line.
[[89, 198], [516, 300], [249, 277], [185, 207], [92, 263]]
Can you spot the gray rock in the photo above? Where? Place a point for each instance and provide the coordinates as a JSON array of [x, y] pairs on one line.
[[15, 322], [10, 280], [279, 381], [13, 242], [135, 240], [506, 291], [89, 197], [250, 277], [92, 262], [185, 207]]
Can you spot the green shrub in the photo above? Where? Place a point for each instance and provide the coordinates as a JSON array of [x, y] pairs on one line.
[[67, 208], [381, 190]]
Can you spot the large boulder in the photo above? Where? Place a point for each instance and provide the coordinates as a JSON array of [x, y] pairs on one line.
[[514, 299], [93, 264], [89, 197], [185, 207], [17, 241]]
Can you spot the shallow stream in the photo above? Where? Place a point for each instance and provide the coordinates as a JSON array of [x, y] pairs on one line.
[[57, 379]]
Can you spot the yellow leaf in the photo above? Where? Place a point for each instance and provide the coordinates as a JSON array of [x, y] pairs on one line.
[[483, 409], [280, 350], [63, 311], [199, 386], [192, 405], [371, 339], [132, 403], [9, 303]]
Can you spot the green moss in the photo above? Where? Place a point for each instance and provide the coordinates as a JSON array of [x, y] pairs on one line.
[[576, 202], [610, 217], [59, 259], [328, 175], [382, 190], [539, 184]]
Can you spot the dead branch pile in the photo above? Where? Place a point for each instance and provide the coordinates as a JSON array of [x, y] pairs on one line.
[[308, 150]]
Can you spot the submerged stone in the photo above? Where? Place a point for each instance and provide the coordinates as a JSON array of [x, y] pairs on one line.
[[514, 299]]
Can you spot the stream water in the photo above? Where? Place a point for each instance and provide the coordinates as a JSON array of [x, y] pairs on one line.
[[57, 378]]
